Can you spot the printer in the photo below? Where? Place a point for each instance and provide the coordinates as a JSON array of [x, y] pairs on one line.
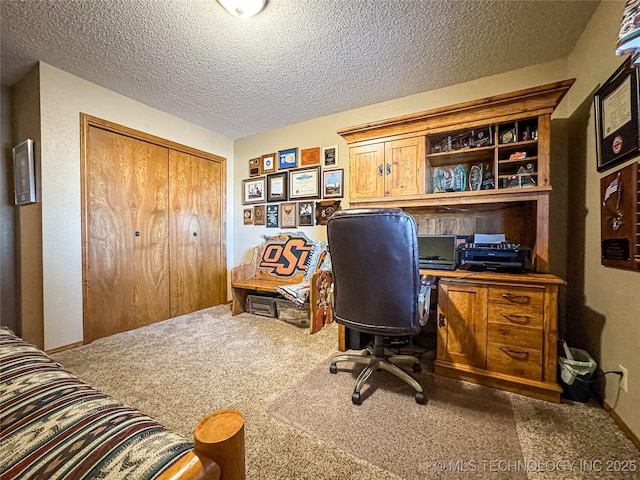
[[499, 257]]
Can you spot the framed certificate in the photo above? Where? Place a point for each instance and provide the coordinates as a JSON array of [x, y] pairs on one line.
[[304, 183], [616, 114]]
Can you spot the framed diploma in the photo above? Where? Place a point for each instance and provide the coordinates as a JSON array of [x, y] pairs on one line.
[[616, 114], [304, 183], [277, 187]]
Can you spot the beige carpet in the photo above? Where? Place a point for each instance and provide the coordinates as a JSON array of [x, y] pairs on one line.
[[460, 421], [181, 369]]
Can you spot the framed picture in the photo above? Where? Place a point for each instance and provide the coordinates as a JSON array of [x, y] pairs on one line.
[[616, 114], [288, 158], [305, 214], [277, 187], [255, 168], [247, 216], [268, 163], [330, 156], [288, 215], [273, 216], [253, 190], [24, 172], [310, 156], [258, 215], [304, 183], [332, 181], [325, 209], [462, 239]]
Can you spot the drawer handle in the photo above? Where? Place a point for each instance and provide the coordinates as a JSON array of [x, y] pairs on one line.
[[519, 319], [516, 298], [516, 354]]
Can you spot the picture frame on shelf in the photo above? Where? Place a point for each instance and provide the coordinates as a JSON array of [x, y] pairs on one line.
[[287, 158], [332, 183], [310, 156], [616, 116], [325, 209], [305, 214], [259, 215], [330, 156], [24, 173], [268, 163], [255, 167], [247, 216], [304, 183], [277, 187], [253, 190], [288, 215], [273, 216]]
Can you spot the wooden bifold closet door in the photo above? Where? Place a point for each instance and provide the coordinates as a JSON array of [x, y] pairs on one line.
[[153, 238]]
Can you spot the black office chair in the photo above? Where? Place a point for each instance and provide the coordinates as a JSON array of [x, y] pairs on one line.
[[377, 288]]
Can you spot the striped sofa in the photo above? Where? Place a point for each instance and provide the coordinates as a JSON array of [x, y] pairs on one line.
[[54, 426]]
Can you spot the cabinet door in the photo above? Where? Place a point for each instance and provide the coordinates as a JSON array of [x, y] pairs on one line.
[[404, 167], [366, 171], [197, 247], [126, 271], [462, 324]]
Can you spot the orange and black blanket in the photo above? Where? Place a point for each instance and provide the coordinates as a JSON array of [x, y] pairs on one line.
[[54, 426]]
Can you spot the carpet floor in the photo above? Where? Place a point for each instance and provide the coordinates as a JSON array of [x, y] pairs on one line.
[[300, 422]]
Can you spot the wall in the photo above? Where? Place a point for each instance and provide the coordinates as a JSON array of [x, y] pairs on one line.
[[63, 97], [603, 305], [26, 124], [322, 132], [8, 300]]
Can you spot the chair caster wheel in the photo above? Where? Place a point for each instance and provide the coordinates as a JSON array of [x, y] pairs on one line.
[[355, 398], [333, 368], [417, 368], [420, 398]]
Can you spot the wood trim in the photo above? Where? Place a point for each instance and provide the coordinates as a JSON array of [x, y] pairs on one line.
[[536, 99], [623, 426], [90, 121], [495, 278], [64, 348]]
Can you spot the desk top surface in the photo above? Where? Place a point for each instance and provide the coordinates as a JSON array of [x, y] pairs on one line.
[[530, 278]]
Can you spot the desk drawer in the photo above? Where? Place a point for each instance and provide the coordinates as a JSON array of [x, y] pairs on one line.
[[514, 315], [525, 337], [525, 297], [517, 361]]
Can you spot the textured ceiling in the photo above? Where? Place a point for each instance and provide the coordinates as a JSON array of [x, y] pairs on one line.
[[297, 60]]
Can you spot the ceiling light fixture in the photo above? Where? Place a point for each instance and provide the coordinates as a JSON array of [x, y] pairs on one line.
[[243, 8]]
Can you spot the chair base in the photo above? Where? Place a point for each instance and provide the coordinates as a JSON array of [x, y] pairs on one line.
[[375, 359]]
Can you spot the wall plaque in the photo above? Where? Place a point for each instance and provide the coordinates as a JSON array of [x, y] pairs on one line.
[[620, 217]]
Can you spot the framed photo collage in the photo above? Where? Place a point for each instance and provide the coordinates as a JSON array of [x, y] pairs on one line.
[[293, 188]]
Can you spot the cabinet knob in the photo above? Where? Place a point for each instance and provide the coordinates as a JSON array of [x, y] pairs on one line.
[[380, 170], [137, 234], [388, 168], [441, 320], [195, 234]]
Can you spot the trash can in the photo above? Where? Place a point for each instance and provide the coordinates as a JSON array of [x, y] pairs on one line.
[[575, 373]]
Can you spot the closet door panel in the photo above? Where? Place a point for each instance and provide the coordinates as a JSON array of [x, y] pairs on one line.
[[198, 270], [126, 281]]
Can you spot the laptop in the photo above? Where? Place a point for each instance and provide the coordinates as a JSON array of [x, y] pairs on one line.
[[437, 252]]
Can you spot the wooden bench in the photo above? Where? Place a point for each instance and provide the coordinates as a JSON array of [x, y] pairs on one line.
[[281, 260]]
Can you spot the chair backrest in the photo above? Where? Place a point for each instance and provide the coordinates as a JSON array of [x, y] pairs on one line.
[[375, 270]]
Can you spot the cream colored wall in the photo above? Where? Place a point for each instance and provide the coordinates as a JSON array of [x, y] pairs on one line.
[[63, 97], [609, 316], [322, 132]]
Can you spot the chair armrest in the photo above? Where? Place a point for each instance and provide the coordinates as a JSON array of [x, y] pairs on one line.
[[424, 298]]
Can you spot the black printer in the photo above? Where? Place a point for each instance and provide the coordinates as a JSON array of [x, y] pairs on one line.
[[499, 257]]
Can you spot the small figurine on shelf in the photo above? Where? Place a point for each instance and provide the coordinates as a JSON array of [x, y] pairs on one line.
[[459, 179], [487, 178]]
